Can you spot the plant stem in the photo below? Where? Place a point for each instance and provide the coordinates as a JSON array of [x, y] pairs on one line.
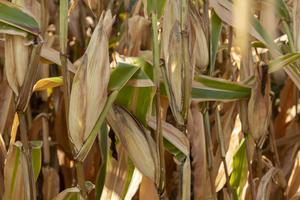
[[160, 177], [80, 178], [63, 37], [27, 152], [209, 154]]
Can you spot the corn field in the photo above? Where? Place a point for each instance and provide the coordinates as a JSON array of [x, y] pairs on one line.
[[149, 99]]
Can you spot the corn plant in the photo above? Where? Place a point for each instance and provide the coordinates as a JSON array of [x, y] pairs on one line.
[[149, 99]]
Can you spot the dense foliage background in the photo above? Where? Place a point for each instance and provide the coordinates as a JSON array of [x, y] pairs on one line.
[[149, 99]]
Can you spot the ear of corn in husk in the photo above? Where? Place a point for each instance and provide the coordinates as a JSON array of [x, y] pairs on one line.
[[89, 89], [181, 30], [259, 106], [137, 142]]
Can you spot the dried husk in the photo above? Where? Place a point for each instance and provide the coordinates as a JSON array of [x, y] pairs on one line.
[[259, 106], [16, 61], [89, 89], [177, 48], [200, 54], [139, 146]]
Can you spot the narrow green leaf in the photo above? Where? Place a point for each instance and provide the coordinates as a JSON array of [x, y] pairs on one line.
[[239, 169], [18, 17], [222, 84], [283, 61], [214, 89], [264, 34], [103, 140], [282, 10]]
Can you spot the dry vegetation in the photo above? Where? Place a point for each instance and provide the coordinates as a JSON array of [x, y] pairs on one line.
[[149, 99]]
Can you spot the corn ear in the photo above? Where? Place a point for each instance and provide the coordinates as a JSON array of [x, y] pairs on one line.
[[16, 61], [138, 144], [200, 55], [89, 89], [259, 106]]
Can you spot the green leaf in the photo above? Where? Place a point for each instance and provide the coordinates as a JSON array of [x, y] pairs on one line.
[[160, 6], [216, 27], [282, 10], [283, 61], [239, 169], [266, 37], [103, 143], [120, 75], [18, 17], [213, 89], [36, 157], [8, 29]]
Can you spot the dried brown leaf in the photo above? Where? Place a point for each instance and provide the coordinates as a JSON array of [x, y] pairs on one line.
[[273, 175], [196, 137], [293, 186]]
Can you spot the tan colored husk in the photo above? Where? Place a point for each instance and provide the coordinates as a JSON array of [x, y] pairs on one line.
[[16, 61], [140, 148], [89, 89], [259, 107], [172, 51], [200, 51]]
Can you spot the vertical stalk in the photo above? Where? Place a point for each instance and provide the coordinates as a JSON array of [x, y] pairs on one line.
[[209, 153], [186, 64], [160, 176], [46, 145], [27, 152], [63, 37]]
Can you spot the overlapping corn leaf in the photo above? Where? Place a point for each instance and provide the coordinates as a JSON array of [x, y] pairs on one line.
[[17, 18]]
